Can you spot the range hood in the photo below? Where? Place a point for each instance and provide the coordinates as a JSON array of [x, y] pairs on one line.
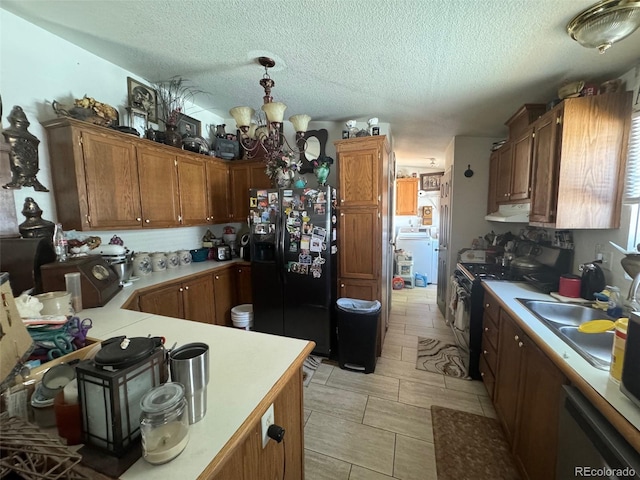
[[511, 213]]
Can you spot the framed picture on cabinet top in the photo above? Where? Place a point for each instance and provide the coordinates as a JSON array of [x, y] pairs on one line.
[[144, 97], [430, 181], [138, 120], [188, 126]]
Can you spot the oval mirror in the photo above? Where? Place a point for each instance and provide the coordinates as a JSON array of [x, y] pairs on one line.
[[312, 151]]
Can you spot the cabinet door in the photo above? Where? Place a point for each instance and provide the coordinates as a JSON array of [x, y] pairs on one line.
[[224, 290], [111, 176], [258, 176], [407, 196], [492, 201], [218, 191], [239, 181], [165, 301], [544, 181], [359, 243], [199, 299], [359, 177], [508, 375], [538, 417], [521, 167], [503, 185], [362, 289], [243, 285], [192, 184], [158, 188]]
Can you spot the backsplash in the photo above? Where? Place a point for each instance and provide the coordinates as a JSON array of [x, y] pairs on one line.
[[164, 239]]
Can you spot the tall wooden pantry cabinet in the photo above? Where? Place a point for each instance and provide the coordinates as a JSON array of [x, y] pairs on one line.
[[363, 222]]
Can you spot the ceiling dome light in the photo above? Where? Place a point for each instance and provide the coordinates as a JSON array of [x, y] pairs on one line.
[[605, 23]]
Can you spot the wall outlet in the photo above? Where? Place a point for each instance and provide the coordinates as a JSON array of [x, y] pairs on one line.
[[607, 260], [267, 420]]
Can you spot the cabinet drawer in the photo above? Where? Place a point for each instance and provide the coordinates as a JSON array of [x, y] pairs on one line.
[[487, 376], [491, 307], [490, 331], [489, 354]]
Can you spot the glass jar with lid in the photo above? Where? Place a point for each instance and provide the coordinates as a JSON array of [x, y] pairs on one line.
[[164, 423]]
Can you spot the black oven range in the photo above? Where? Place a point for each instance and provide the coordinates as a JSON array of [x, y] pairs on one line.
[[468, 295]]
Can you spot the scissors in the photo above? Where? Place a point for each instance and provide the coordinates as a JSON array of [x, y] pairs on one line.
[[61, 348], [78, 330]]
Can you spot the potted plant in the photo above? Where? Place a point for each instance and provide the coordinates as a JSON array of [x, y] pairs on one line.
[[173, 94]]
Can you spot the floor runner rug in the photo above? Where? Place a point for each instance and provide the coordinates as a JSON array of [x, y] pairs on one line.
[[470, 447], [440, 357], [309, 367]]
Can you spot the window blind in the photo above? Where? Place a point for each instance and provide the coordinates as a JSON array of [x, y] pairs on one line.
[[632, 179]]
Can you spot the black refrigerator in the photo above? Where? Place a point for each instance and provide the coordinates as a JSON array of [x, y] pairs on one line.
[[293, 263]]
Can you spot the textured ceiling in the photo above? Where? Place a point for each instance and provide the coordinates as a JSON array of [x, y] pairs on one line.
[[432, 69]]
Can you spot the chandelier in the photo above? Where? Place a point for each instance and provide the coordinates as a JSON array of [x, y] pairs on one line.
[[605, 23], [263, 132]]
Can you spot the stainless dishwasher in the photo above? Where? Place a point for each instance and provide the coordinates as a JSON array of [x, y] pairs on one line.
[[589, 446]]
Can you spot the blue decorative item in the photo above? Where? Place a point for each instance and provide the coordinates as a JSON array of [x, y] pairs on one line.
[[300, 182]]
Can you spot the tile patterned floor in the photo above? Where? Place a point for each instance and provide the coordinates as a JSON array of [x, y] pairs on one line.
[[378, 426]]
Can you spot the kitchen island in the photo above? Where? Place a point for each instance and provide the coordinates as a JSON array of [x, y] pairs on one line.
[[595, 384], [249, 371]]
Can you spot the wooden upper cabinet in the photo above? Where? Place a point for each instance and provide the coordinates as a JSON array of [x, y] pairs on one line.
[[258, 176], [111, 176], [590, 151], [521, 166], [406, 196], [192, 183], [239, 178], [360, 161], [544, 171], [158, 188], [503, 183], [218, 190], [492, 199]]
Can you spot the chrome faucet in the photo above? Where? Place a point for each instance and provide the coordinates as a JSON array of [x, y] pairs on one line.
[[632, 299]]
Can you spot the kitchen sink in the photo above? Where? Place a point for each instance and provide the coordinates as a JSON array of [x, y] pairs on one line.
[[565, 318]]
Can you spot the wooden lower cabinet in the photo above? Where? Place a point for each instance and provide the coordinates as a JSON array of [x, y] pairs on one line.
[[243, 285], [527, 400], [191, 300], [361, 289], [536, 440], [224, 288], [249, 461]]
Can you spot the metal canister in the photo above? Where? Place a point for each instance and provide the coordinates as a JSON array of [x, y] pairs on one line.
[[617, 352]]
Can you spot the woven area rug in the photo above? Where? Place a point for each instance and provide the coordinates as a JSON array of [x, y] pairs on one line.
[[440, 357], [470, 447], [309, 367]]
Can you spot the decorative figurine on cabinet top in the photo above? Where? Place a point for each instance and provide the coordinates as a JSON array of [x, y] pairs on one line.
[[35, 226], [23, 156]]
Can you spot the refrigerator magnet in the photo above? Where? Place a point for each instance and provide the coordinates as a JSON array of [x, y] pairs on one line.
[[287, 193], [253, 202], [305, 259], [319, 232], [304, 242], [318, 209], [294, 267], [260, 229], [319, 260], [321, 198], [261, 194], [273, 198], [316, 271], [293, 247], [304, 269], [315, 245]]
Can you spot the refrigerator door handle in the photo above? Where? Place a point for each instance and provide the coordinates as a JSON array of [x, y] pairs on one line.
[[280, 229]]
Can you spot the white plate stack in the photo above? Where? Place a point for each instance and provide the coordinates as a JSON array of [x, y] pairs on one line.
[[242, 316]]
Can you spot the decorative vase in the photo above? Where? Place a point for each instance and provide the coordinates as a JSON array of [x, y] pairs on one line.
[[283, 179], [300, 182], [322, 172], [172, 136]]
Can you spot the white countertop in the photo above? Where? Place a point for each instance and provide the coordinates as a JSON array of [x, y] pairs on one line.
[[599, 380], [244, 366]]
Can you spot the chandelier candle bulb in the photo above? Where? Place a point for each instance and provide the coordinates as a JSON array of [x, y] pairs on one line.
[[300, 122], [274, 111]]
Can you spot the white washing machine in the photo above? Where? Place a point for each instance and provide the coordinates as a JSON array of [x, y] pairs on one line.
[[418, 241]]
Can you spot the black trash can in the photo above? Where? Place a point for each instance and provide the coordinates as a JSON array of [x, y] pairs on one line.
[[357, 334]]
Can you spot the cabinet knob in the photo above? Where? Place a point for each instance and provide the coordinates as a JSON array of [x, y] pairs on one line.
[[180, 289], [520, 344], [485, 352], [342, 200], [486, 329], [217, 277], [342, 285], [486, 305], [187, 287], [516, 338], [482, 374], [147, 221], [342, 214], [138, 219]]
